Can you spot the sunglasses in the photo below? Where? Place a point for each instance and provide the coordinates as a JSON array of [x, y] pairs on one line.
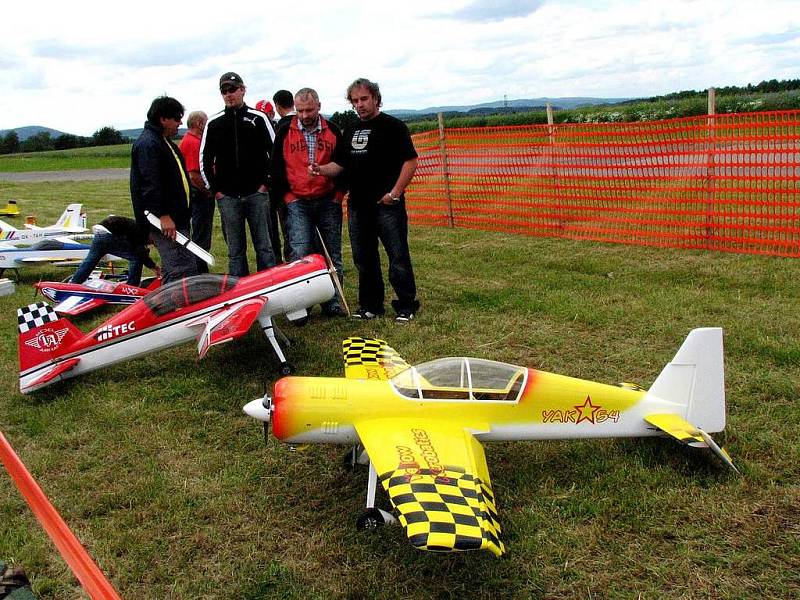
[[228, 89]]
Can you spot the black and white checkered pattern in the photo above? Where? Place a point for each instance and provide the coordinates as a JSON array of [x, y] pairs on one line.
[[35, 315]]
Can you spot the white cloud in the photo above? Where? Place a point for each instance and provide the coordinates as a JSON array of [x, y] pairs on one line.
[[80, 66]]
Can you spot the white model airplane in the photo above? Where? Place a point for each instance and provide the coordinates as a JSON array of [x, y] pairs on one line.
[[70, 222]]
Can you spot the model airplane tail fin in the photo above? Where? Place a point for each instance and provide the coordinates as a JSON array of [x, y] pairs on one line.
[[695, 379], [43, 336], [70, 218], [6, 227]]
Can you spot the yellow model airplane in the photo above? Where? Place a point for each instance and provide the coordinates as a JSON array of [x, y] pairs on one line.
[[10, 209], [422, 427]]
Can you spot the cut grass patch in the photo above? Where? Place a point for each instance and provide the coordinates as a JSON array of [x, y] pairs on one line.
[[173, 491]]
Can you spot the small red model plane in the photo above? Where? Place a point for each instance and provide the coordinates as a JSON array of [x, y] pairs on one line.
[[211, 308], [77, 298], [422, 427]]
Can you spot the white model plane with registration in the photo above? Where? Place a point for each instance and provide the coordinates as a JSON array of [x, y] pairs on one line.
[[71, 222], [422, 428], [211, 308]]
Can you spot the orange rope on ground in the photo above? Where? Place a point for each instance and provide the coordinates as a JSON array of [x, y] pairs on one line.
[[716, 182], [82, 565]]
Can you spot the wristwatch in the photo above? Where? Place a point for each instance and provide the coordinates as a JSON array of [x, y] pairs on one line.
[[394, 199]]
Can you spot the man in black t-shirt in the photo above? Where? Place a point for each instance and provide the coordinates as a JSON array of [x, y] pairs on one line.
[[378, 159]]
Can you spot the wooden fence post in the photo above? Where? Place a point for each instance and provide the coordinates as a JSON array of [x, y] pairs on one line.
[[710, 149], [445, 170]]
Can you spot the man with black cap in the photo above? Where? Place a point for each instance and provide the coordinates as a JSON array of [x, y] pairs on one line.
[[234, 161]]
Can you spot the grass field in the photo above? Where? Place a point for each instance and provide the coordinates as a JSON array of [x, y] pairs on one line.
[[97, 157], [173, 491]]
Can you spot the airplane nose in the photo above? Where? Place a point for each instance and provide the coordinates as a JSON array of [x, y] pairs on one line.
[[260, 408]]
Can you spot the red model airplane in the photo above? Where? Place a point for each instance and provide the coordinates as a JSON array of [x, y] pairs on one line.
[[78, 298], [211, 308]]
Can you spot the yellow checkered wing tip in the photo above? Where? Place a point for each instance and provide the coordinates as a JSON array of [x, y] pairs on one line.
[[450, 510], [371, 358]]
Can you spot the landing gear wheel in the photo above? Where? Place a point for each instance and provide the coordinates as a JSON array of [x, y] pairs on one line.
[[370, 520], [286, 368]]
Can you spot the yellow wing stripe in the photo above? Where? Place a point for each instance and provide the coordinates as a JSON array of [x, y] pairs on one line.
[[446, 511], [371, 358]]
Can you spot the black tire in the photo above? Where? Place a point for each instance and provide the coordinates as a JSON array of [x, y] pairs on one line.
[[370, 520]]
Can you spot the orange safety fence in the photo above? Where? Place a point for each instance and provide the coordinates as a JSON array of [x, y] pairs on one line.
[[79, 561], [725, 182]]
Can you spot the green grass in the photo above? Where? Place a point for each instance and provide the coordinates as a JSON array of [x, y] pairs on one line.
[[173, 491], [98, 157]]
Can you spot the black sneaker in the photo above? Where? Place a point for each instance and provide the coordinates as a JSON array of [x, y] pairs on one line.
[[404, 316], [363, 313]]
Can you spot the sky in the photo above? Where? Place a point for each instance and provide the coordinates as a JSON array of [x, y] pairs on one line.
[[79, 66]]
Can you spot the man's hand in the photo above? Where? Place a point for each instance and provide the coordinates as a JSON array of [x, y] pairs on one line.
[[157, 271], [313, 169], [168, 227], [389, 199]]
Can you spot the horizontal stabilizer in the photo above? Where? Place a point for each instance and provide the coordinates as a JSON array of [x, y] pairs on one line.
[[688, 434], [52, 374]]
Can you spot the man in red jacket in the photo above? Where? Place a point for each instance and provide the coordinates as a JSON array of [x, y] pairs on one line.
[[311, 202]]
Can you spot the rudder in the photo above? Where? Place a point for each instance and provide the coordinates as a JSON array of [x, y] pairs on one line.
[[695, 379], [43, 335]]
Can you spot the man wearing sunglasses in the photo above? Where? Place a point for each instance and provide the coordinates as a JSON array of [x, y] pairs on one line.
[[234, 159]]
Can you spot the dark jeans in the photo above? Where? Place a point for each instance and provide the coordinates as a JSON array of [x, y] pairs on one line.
[[389, 224], [277, 211], [176, 261], [303, 218], [235, 212], [202, 224], [105, 243]]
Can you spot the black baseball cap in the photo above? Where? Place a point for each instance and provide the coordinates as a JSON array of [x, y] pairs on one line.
[[230, 78]]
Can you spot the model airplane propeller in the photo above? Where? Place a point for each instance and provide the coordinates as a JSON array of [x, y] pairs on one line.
[[211, 308], [422, 427]]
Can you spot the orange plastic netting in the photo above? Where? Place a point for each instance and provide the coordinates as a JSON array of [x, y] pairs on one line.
[[723, 182]]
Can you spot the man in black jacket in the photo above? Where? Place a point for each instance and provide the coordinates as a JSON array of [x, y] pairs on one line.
[[159, 184], [234, 162]]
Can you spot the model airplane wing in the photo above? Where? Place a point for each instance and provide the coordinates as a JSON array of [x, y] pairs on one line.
[[77, 305], [371, 358], [228, 323], [436, 475]]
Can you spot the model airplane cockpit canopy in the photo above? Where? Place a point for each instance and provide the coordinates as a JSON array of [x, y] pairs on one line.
[[461, 379]]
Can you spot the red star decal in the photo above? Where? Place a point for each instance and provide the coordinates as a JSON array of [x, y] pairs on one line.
[[586, 411]]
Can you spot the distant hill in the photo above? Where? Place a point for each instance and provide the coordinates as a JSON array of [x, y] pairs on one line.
[[23, 133], [557, 103]]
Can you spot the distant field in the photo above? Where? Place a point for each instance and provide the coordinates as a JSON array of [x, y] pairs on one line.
[[99, 157], [173, 491]]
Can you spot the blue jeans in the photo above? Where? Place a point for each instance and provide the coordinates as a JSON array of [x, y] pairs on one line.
[[176, 261], [389, 224], [302, 217], [105, 243], [254, 210]]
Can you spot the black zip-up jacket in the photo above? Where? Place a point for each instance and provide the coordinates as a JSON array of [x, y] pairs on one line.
[[156, 181], [235, 151]]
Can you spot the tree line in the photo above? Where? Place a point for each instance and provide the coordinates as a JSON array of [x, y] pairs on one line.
[[42, 141]]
